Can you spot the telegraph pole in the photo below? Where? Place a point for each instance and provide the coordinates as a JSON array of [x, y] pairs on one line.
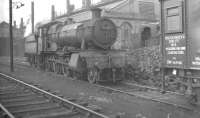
[[11, 36], [32, 16], [162, 43], [11, 31]]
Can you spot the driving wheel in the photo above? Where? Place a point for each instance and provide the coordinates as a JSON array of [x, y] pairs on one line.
[[93, 75]]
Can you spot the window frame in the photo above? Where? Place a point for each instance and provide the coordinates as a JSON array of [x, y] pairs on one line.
[[179, 14], [125, 28]]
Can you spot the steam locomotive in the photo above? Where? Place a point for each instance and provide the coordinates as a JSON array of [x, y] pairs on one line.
[[77, 49]]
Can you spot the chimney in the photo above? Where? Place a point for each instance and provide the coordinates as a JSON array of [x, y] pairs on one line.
[[15, 25], [68, 6], [96, 13], [22, 24], [86, 3], [32, 16], [52, 12]]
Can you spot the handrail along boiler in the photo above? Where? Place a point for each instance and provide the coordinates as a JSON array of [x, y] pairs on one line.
[[80, 49]]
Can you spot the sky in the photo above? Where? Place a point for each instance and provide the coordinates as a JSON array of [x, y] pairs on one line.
[[42, 10]]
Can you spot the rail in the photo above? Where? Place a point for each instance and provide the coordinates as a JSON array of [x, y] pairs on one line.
[[57, 97], [145, 97], [6, 111]]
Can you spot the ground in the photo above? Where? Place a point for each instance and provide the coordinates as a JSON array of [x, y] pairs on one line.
[[110, 103]]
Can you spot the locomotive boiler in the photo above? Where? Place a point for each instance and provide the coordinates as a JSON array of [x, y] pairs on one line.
[[98, 33], [80, 49]]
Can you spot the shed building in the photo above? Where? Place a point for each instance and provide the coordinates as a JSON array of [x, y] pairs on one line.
[[18, 41]]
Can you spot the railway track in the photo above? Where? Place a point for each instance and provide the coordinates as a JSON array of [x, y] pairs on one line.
[[135, 90], [22, 100], [151, 88]]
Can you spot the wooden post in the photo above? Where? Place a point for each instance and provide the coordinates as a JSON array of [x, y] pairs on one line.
[[32, 16], [162, 44], [11, 36]]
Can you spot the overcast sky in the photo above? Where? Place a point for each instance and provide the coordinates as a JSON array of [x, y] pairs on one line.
[[42, 9]]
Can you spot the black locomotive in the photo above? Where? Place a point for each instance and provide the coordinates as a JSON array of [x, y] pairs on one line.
[[78, 49]]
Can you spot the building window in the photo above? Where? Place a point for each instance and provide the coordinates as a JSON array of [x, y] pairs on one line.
[[125, 29], [147, 9], [48, 45], [145, 36]]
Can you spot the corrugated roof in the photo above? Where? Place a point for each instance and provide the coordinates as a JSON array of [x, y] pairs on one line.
[[116, 2], [4, 23], [85, 14]]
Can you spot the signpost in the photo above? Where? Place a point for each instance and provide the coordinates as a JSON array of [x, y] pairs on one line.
[[162, 45], [175, 50]]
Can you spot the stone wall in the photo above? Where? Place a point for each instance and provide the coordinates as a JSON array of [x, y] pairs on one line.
[[146, 66]]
